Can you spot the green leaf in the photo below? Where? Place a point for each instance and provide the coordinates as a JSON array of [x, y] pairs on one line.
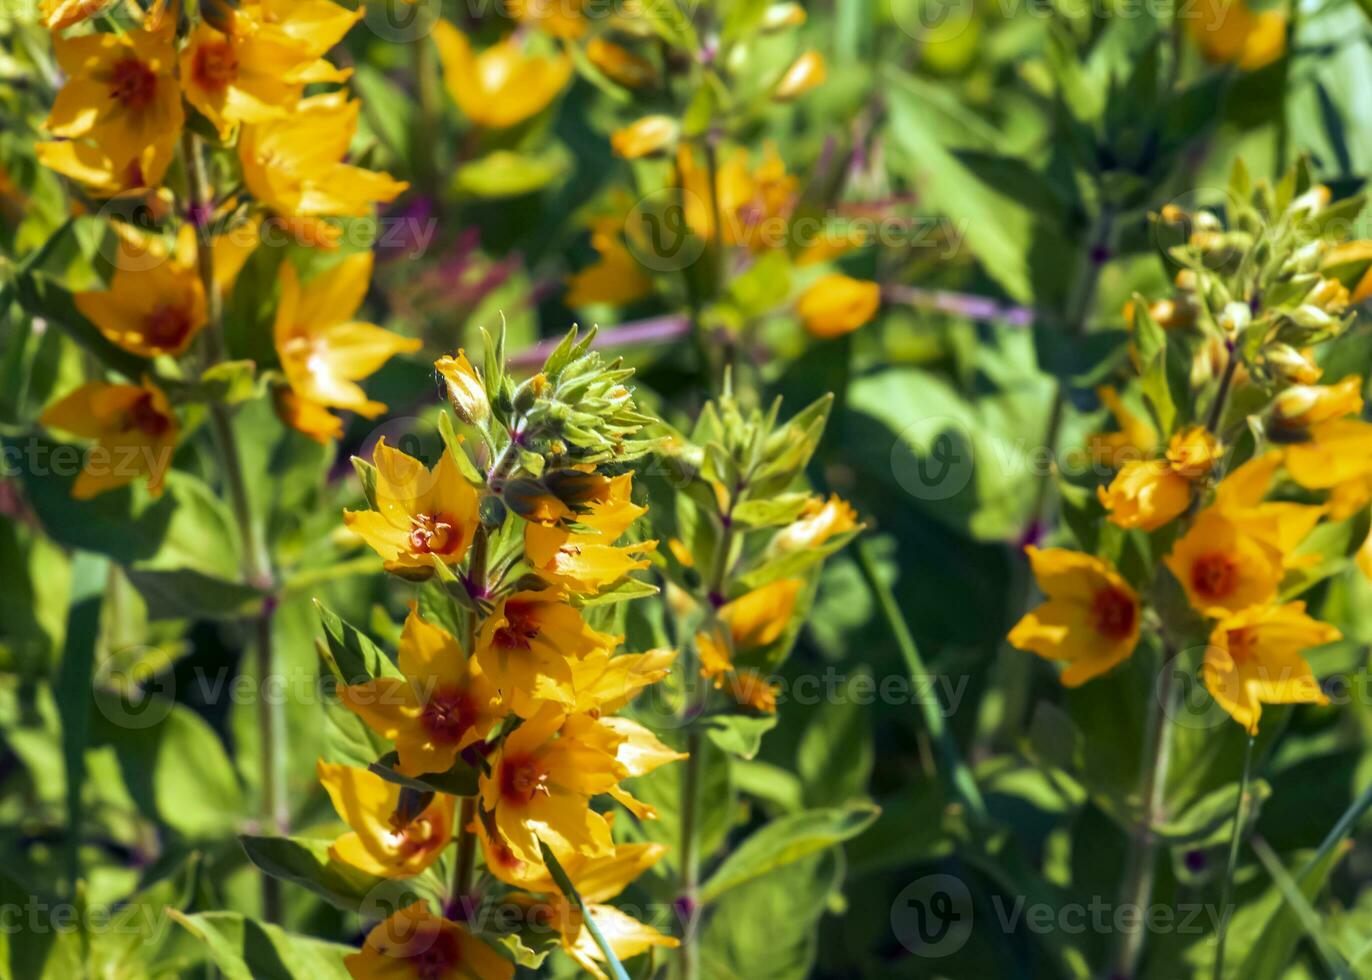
[[671, 24], [569, 891], [460, 780], [835, 754], [73, 692], [355, 658], [505, 173], [771, 512], [245, 949], [784, 841], [740, 734], [1276, 934], [1209, 820], [307, 863]]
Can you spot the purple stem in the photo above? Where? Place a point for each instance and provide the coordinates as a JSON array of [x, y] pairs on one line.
[[639, 333], [961, 304]]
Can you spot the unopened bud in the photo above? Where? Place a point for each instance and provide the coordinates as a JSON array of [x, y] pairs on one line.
[[466, 393], [1290, 365], [1234, 318], [783, 15], [806, 72]]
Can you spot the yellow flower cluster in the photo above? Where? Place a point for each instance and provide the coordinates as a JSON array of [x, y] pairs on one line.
[[526, 702], [1233, 540], [119, 121]]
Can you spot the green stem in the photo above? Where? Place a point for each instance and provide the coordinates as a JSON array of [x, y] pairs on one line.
[[464, 870], [1235, 839], [961, 782], [1136, 888], [256, 559], [427, 83], [1339, 832]]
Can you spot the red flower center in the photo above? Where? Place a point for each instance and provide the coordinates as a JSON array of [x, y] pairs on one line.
[[1241, 643], [167, 326], [133, 83], [521, 778], [1113, 612], [434, 953], [144, 416], [521, 626], [434, 534], [1214, 575], [448, 714], [215, 66]]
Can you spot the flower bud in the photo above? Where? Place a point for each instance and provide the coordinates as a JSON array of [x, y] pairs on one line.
[[806, 72], [1234, 318], [1309, 204], [651, 134], [466, 393], [1305, 405], [1311, 317], [619, 64], [1290, 365], [782, 15]]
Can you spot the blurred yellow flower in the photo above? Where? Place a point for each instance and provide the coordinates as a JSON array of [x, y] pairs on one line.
[[382, 840], [58, 14], [324, 352], [560, 18], [97, 171], [121, 92], [501, 86], [753, 620], [1135, 440], [1302, 406], [755, 203], [1336, 456], [1229, 31], [807, 72], [836, 304], [1222, 568], [620, 64], [134, 430], [1090, 617], [616, 278], [155, 305], [1254, 658], [293, 165], [651, 134], [1147, 494], [415, 943], [422, 515]]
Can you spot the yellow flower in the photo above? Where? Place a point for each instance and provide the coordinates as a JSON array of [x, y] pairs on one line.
[[466, 393], [1135, 439], [805, 73], [753, 621], [526, 647], [835, 304], [751, 690], [560, 18], [1229, 31], [755, 203], [617, 278], [1302, 406], [541, 782], [619, 64], [99, 173], [821, 521], [313, 26], [324, 352], [121, 91], [442, 704], [501, 86], [423, 515], [305, 416], [1254, 658], [1090, 617], [415, 944], [543, 776], [155, 305], [1337, 457], [651, 134], [1222, 568], [293, 165], [134, 431], [251, 74], [586, 561], [1147, 494], [383, 840], [603, 682], [1281, 525]]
